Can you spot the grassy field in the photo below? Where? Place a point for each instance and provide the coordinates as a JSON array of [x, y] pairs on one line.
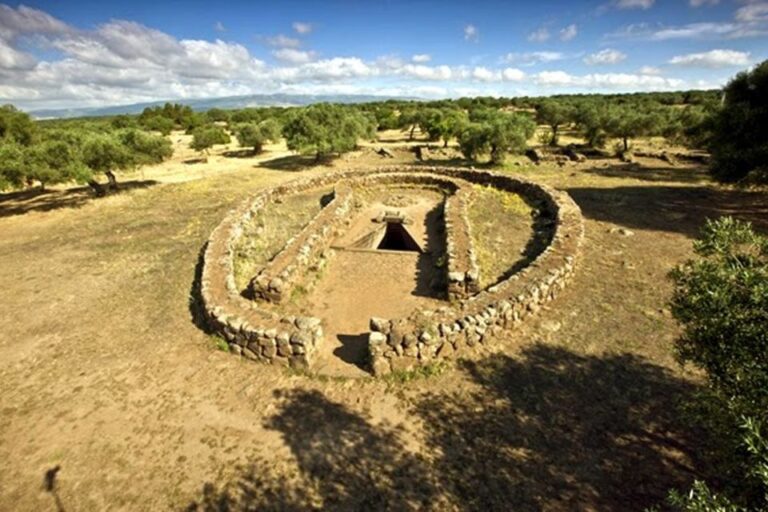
[[107, 375]]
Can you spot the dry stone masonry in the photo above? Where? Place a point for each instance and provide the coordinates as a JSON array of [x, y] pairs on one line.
[[472, 317], [300, 252]]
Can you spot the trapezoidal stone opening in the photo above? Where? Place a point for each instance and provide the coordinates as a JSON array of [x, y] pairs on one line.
[[397, 238]]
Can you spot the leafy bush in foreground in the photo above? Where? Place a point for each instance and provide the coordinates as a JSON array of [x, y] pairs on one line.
[[721, 299]]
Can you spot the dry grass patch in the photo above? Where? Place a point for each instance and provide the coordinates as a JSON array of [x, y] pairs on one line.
[[501, 225], [268, 232]]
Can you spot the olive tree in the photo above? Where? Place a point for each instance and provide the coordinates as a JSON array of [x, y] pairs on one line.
[[104, 153], [497, 133], [255, 135], [205, 137], [445, 124], [12, 167], [145, 148], [324, 129], [55, 161], [628, 122], [554, 114], [16, 126]]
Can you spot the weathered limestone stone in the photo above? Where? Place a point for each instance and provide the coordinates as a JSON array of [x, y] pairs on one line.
[[377, 339], [379, 325], [301, 338], [250, 354], [299, 362], [409, 340], [306, 323], [269, 351]]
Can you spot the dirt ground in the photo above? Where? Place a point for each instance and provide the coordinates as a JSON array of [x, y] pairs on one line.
[[107, 376]]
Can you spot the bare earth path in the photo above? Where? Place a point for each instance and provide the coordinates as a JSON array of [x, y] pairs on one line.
[[106, 375]]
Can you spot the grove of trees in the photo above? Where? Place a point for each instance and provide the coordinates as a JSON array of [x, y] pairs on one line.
[[730, 124], [56, 153]]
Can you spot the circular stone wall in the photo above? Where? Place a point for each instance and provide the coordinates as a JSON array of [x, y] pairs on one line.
[[256, 330]]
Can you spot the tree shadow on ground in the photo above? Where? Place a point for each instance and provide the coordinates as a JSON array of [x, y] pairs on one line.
[[36, 200], [239, 153], [669, 208], [550, 430], [294, 163], [556, 430], [655, 173]]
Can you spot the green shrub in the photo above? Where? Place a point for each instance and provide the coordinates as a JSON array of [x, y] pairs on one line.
[[721, 300]]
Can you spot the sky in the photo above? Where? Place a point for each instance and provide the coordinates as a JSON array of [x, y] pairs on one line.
[[86, 53]]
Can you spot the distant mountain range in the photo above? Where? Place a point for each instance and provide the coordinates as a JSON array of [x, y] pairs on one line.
[[230, 102]]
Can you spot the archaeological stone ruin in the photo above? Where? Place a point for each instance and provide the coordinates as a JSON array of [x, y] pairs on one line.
[[258, 322]]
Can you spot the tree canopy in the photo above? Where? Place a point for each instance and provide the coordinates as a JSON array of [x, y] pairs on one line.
[[739, 142], [496, 133], [324, 128], [205, 137], [255, 135]]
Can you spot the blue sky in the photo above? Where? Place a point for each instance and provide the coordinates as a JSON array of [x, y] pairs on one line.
[[93, 53]]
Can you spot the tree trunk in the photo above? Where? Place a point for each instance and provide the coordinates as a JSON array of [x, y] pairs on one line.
[[112, 180], [445, 144], [98, 188], [626, 144], [553, 140], [413, 128]]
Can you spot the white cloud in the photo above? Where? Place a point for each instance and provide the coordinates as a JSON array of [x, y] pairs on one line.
[[750, 20], [427, 72], [302, 27], [337, 67], [712, 59], [484, 74], [10, 58], [421, 57], [569, 32], [293, 55], [513, 75], [122, 62], [634, 4], [26, 20], [539, 35], [471, 33], [531, 58], [650, 70], [604, 57], [219, 27], [699, 3], [753, 12], [283, 41], [614, 81]]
